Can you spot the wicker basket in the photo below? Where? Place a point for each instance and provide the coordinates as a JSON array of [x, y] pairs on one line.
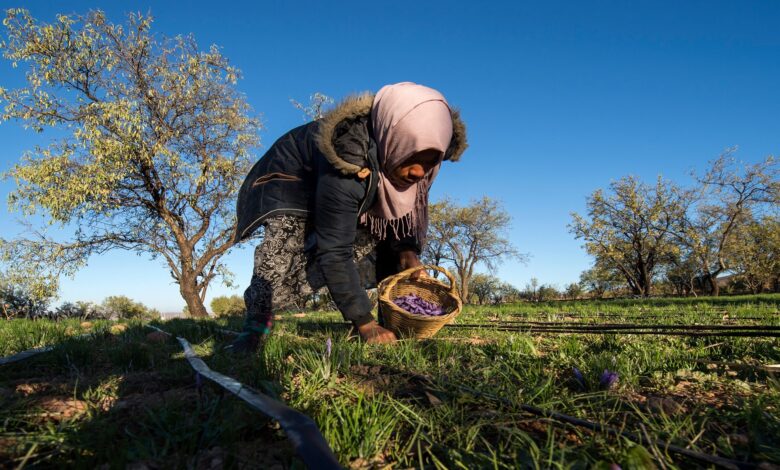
[[403, 323]]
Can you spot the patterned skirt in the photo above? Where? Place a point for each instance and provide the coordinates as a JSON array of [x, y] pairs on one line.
[[285, 273]]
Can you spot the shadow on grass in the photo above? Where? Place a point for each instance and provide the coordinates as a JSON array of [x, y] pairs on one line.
[[129, 397]]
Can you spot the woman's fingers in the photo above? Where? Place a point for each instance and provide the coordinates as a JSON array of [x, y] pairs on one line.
[[372, 333]]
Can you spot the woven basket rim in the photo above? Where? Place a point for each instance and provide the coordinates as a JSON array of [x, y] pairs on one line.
[[387, 305]]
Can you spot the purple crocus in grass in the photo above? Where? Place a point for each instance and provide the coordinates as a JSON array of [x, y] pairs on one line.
[[328, 347], [578, 377], [608, 379]]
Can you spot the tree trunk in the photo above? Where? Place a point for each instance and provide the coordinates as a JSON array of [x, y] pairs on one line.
[[464, 288], [647, 288], [713, 282], [189, 292]]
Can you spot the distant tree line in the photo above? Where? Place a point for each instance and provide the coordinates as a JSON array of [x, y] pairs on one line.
[[16, 303], [667, 239]]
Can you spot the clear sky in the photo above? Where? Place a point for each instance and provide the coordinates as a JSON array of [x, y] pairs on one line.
[[560, 98]]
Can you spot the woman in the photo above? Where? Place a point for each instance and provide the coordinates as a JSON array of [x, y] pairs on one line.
[[344, 203]]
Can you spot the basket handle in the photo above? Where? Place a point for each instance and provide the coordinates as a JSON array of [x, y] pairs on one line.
[[408, 272]]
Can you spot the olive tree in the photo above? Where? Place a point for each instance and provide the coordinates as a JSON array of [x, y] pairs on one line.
[[156, 143]]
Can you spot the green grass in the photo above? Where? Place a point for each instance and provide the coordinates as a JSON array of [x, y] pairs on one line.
[[120, 398]]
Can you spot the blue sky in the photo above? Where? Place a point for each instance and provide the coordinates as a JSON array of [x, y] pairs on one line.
[[560, 98]]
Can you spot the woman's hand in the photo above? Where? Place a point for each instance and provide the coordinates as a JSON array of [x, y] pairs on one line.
[[372, 333], [409, 259]]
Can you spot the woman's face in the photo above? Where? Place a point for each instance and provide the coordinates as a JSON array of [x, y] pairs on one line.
[[414, 168]]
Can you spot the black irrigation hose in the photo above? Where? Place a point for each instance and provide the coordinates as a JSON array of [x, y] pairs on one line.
[[24, 354], [607, 326], [596, 427], [622, 315], [563, 418], [571, 330], [676, 326], [34, 351], [302, 431], [669, 332]]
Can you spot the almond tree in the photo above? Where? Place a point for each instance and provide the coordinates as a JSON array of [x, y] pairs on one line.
[[469, 235], [728, 197], [755, 253], [629, 228], [600, 279], [157, 142], [441, 228]]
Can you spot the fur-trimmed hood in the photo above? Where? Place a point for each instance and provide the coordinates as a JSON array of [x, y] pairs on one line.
[[356, 109]]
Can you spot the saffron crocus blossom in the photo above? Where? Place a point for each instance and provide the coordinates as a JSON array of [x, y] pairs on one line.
[[579, 378], [608, 379], [328, 347]]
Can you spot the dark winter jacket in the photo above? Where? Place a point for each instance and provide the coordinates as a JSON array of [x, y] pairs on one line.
[[311, 171]]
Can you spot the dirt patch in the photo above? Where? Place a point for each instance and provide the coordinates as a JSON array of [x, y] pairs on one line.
[[210, 459], [664, 405], [26, 387], [377, 462], [364, 370], [373, 385], [478, 341], [59, 408], [768, 466], [370, 379], [540, 427], [157, 337], [118, 328], [262, 453], [143, 382], [140, 400], [717, 395]]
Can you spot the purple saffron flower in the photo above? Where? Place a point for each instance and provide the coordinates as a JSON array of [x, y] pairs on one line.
[[608, 379], [578, 377], [328, 347], [198, 380], [614, 466]]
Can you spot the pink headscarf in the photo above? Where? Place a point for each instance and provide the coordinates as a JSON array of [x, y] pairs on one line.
[[407, 118]]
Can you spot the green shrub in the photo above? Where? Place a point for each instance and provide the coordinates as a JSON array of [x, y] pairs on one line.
[[18, 303], [119, 306], [225, 306], [80, 309]]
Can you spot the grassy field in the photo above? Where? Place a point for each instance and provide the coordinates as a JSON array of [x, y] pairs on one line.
[[121, 397]]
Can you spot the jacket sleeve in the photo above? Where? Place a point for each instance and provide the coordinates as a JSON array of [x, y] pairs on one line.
[[336, 209]]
